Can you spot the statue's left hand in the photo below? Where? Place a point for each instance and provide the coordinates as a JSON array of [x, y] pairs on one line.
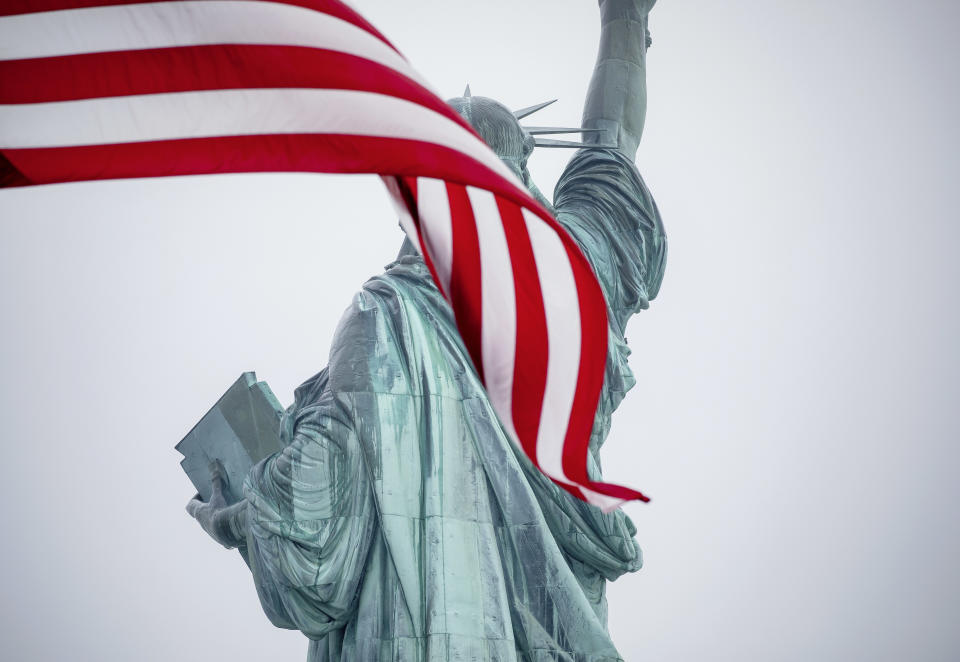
[[219, 520]]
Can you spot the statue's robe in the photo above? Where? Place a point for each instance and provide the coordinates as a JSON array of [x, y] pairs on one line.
[[400, 523]]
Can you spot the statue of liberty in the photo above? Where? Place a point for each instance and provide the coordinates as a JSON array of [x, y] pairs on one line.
[[400, 522]]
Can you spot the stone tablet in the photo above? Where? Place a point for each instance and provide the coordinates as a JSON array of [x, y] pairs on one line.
[[241, 429]]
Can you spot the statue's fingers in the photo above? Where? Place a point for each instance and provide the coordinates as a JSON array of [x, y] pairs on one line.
[[219, 475], [219, 481], [216, 474], [194, 506]]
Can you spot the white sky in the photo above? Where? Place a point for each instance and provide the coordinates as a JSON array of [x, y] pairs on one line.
[[795, 419]]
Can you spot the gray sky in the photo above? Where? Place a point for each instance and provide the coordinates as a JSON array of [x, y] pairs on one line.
[[795, 418]]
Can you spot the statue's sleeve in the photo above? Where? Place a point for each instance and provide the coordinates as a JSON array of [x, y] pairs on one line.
[[604, 204], [310, 521]]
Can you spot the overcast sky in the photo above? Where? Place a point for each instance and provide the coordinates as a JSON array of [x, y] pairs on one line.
[[795, 418]]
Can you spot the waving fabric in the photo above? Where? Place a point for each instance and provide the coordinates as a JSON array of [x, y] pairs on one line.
[[101, 89]]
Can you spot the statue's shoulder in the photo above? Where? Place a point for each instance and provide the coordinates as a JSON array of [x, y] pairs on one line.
[[603, 202], [607, 184]]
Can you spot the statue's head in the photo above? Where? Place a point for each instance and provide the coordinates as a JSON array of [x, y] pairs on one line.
[[500, 128]]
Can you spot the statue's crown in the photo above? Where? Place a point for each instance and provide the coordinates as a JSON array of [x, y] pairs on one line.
[[501, 129]]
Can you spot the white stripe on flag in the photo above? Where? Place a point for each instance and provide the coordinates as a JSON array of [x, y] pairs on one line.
[[434, 208], [562, 310], [190, 23], [601, 501], [499, 314]]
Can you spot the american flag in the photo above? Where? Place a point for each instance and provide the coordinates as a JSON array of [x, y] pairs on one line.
[[104, 89]]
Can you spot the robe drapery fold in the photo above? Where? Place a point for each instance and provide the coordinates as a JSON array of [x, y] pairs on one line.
[[401, 523]]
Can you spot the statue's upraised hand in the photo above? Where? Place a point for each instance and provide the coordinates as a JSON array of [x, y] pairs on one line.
[[223, 523], [632, 10], [639, 8]]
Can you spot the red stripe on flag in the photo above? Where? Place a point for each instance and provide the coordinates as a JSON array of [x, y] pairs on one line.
[[465, 283], [590, 373], [330, 153], [208, 67], [330, 7], [410, 197], [593, 356], [530, 365], [10, 176]]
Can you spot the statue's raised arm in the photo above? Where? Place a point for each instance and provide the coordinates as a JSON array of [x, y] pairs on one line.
[[617, 97]]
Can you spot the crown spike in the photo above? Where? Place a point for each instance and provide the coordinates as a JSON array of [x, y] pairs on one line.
[[538, 130], [549, 142], [466, 92], [530, 110]]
